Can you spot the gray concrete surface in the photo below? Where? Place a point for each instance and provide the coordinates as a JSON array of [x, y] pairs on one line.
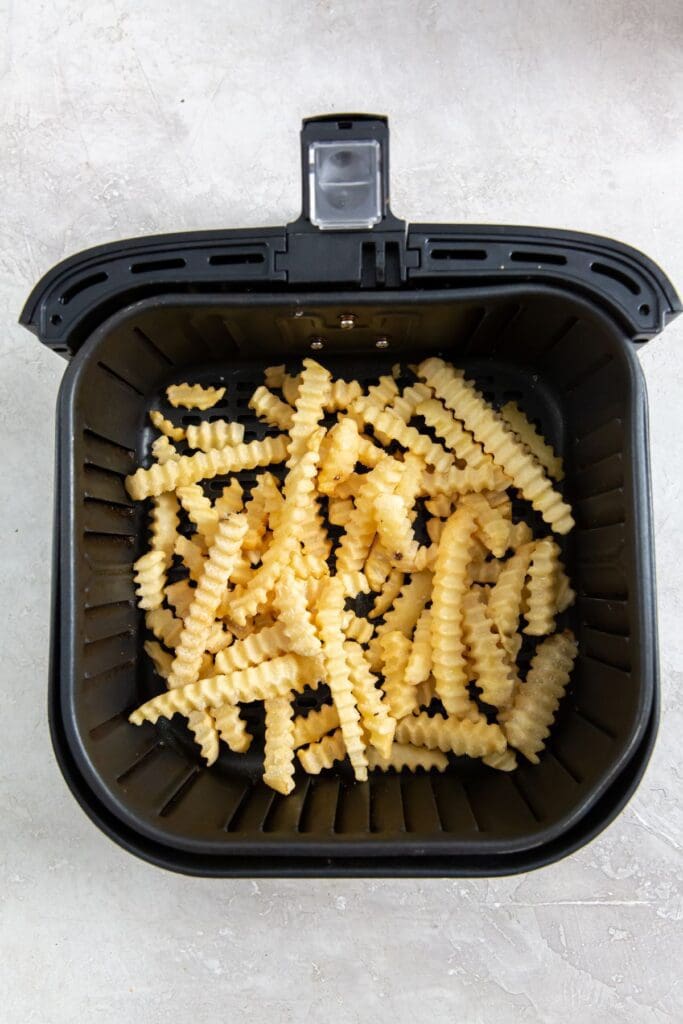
[[121, 118]]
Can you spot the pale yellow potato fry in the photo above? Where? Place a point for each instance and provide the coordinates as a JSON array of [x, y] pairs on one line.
[[504, 762], [324, 754], [448, 592], [207, 597], [312, 727], [342, 394], [494, 676], [166, 426], [395, 530], [188, 469], [377, 565], [388, 594], [180, 596], [163, 451], [375, 713], [309, 409], [274, 678], [216, 434], [339, 510], [231, 728], [339, 455], [150, 577], [527, 475], [475, 739], [405, 403], [230, 500], [328, 616], [401, 695], [404, 755], [164, 524], [356, 628], [200, 510], [527, 723], [274, 376], [192, 555], [263, 645], [542, 588], [193, 396], [164, 625], [408, 605], [528, 435], [292, 608], [298, 489], [356, 542], [278, 759], [419, 666], [290, 388], [271, 409], [161, 659], [492, 527]]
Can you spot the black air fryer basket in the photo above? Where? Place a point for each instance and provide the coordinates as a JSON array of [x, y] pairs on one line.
[[550, 318]]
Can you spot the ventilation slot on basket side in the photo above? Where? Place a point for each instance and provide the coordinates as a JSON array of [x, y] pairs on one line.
[[181, 791], [319, 813], [233, 259], [108, 620], [82, 285], [453, 255], [153, 266], [386, 803], [286, 811], [549, 258], [616, 275]]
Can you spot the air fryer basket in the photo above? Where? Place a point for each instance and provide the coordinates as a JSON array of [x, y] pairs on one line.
[[545, 330]]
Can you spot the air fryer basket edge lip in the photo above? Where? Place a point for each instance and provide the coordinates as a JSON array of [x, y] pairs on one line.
[[644, 608]]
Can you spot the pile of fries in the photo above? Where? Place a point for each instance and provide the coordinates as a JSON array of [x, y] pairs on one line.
[[274, 582]]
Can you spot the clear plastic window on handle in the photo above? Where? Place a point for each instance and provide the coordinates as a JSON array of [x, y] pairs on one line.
[[345, 184]]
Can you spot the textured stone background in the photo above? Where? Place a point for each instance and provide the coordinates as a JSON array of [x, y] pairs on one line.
[[121, 118]]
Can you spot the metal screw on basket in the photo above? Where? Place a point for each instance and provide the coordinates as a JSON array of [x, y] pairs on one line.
[[382, 343], [347, 321], [317, 343]]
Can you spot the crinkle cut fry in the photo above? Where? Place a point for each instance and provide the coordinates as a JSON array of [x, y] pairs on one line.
[[494, 676], [150, 576], [527, 723], [450, 583], [278, 760], [452, 735], [529, 436], [214, 434], [273, 678], [312, 727], [207, 597], [354, 546], [322, 754], [405, 755], [271, 409], [328, 620], [375, 715], [231, 728], [298, 490], [189, 469], [392, 426], [542, 588], [525, 472], [313, 393], [193, 396], [166, 426]]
